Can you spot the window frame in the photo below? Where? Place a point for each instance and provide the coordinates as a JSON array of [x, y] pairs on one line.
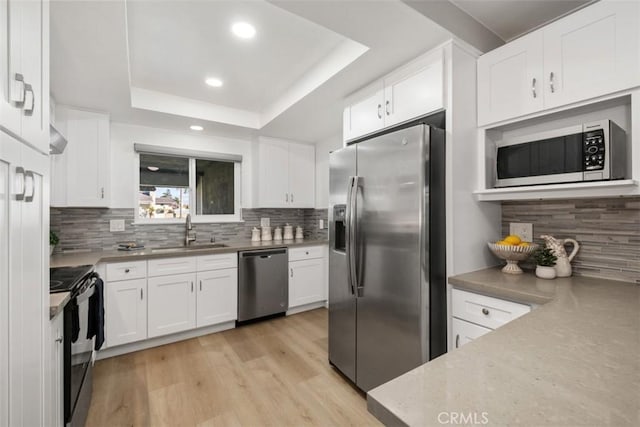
[[195, 218]]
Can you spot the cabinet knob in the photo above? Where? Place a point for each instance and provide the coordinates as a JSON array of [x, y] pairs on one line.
[[59, 339], [126, 270], [485, 311]]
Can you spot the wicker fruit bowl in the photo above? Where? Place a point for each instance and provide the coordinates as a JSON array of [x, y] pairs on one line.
[[512, 254]]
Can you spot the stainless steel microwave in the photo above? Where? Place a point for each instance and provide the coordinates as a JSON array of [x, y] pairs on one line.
[[593, 151]]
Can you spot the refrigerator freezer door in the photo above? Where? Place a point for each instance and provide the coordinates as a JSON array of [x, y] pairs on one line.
[[342, 301], [390, 324]]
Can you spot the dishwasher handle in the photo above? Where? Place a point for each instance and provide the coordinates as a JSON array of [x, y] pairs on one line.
[[263, 254]]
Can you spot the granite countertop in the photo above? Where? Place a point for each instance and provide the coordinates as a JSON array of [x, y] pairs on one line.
[[93, 258], [573, 361], [57, 302]]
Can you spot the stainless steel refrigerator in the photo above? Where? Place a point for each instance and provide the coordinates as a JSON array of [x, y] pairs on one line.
[[387, 286]]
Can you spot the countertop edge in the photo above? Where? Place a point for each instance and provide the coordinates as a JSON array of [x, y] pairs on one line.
[[520, 296], [57, 302]]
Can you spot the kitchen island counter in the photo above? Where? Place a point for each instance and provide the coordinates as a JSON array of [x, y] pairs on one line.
[[572, 361]]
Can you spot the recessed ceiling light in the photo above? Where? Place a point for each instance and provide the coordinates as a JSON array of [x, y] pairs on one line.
[[153, 168], [196, 127], [244, 30], [213, 82]]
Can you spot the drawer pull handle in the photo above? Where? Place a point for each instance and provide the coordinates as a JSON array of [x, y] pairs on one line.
[[457, 340], [485, 311], [126, 270]]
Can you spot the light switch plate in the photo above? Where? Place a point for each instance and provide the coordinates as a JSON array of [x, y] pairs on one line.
[[265, 222], [116, 225], [522, 229], [321, 224]]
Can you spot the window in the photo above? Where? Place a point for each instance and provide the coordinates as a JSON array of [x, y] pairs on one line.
[[172, 186]]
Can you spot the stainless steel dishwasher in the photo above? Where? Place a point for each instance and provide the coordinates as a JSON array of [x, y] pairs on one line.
[[263, 283]]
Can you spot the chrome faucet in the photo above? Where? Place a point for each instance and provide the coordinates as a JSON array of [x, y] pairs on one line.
[[188, 238]]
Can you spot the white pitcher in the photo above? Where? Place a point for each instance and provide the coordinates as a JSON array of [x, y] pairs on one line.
[[563, 263]]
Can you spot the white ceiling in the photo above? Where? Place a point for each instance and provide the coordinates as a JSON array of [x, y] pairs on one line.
[[289, 82], [175, 45], [509, 19]]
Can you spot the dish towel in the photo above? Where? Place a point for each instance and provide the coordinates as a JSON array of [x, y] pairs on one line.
[[96, 314], [74, 312]]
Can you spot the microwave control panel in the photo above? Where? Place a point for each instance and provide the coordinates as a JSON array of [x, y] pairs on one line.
[[594, 150]]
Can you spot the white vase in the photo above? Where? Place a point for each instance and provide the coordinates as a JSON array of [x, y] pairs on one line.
[[51, 248], [545, 272]]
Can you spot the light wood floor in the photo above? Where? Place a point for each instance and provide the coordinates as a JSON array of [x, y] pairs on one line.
[[272, 373]]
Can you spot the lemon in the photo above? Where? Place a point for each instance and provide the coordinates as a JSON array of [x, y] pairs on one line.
[[523, 244], [504, 243], [513, 239]]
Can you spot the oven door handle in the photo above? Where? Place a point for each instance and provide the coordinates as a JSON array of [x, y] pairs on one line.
[[87, 293]]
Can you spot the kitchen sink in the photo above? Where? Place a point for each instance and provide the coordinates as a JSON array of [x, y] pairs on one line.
[[188, 248]]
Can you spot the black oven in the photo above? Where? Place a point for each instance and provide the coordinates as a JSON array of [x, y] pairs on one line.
[[78, 349], [587, 152]]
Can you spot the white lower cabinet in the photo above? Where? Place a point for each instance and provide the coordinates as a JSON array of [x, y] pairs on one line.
[[475, 315], [307, 276], [125, 311], [171, 304], [464, 332], [217, 296]]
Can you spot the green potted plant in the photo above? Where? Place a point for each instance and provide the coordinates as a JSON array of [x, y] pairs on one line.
[[53, 241], [545, 262]]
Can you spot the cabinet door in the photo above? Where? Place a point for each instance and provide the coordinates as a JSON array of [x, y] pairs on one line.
[[510, 80], [35, 68], [87, 152], [592, 52], [364, 113], [302, 176], [306, 282], [125, 311], [465, 332], [171, 304], [217, 299], [10, 53], [414, 90], [273, 174]]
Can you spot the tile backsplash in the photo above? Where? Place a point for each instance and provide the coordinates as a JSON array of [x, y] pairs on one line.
[[87, 229], [608, 231]]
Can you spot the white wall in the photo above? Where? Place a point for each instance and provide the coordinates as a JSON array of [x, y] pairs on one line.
[[322, 168], [123, 171]]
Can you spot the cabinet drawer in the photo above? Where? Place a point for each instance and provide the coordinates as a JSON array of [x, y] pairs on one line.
[[483, 310], [217, 262], [126, 271], [465, 332], [307, 252], [166, 266]]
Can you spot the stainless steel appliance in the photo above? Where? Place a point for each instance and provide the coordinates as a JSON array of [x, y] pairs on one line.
[[387, 289], [594, 151], [78, 349], [263, 283]]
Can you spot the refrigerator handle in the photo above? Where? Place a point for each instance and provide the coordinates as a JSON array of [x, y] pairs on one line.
[[355, 261], [349, 235]]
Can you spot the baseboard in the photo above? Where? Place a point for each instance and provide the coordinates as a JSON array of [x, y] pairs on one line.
[[167, 339], [306, 307]]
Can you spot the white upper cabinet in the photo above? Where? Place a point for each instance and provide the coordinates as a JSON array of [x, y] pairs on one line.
[[414, 90], [592, 52], [80, 175], [286, 174], [510, 80], [364, 114], [409, 92], [24, 71]]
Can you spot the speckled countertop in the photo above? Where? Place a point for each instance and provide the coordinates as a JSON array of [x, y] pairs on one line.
[[573, 361], [57, 301], [93, 258]]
